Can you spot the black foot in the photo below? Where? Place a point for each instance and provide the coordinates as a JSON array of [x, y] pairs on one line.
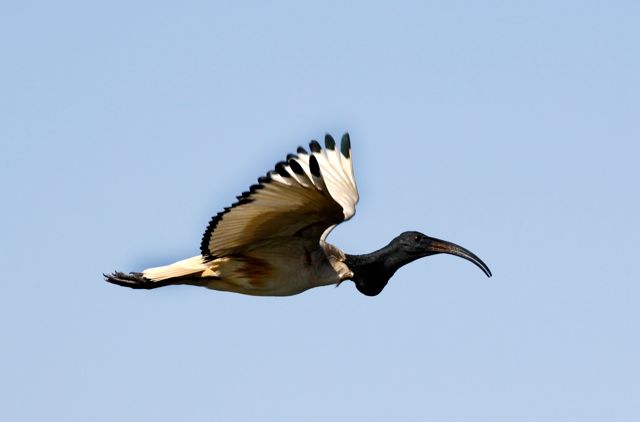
[[132, 280]]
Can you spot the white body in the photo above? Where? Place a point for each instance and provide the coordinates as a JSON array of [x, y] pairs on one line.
[[271, 269]]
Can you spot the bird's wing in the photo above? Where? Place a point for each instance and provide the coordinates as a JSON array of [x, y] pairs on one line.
[[306, 195]]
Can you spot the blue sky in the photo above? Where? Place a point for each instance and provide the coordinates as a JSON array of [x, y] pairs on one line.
[[510, 128]]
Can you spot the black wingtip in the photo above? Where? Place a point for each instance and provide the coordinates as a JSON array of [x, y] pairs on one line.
[[345, 145], [329, 142], [255, 188], [296, 167], [204, 243], [281, 170], [315, 146], [313, 166], [302, 151]]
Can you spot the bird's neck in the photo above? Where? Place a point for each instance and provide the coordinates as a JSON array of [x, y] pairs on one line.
[[371, 272]]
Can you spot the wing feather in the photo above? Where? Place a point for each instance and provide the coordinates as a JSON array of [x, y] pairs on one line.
[[307, 195]]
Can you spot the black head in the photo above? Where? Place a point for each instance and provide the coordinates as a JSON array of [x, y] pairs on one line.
[[409, 246], [373, 271]]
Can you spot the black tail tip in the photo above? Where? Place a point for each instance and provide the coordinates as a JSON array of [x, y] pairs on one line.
[[132, 280]]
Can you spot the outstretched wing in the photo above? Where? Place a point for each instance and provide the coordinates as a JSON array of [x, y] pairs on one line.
[[306, 195]]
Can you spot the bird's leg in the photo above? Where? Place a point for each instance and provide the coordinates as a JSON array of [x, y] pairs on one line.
[[133, 280]]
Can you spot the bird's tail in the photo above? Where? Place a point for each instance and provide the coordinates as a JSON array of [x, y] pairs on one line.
[[187, 271]]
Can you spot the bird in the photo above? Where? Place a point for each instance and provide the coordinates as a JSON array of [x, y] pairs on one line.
[[272, 240]]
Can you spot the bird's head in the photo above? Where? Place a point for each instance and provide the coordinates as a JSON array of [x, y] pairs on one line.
[[373, 271], [409, 246]]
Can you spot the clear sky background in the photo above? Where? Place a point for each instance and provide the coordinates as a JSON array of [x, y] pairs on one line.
[[511, 128]]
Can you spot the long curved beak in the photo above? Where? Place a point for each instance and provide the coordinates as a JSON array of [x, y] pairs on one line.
[[436, 246]]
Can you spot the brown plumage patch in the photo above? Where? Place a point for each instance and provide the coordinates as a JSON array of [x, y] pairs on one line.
[[256, 271]]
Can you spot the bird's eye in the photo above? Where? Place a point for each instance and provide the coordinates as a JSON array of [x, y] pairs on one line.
[[416, 238]]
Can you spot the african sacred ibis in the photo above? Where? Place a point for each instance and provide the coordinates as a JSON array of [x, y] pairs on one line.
[[272, 241]]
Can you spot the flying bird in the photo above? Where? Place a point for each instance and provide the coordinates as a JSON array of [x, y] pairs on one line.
[[272, 241]]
